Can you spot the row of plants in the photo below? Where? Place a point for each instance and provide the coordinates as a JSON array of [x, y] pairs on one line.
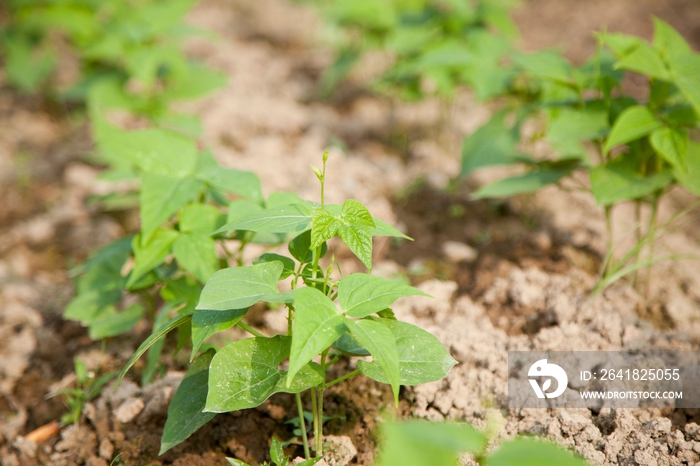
[[435, 46], [125, 54], [632, 146], [184, 270]]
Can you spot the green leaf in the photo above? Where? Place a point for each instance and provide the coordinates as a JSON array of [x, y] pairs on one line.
[[200, 218], [197, 254], [381, 344], [685, 72], [646, 60], [151, 254], [300, 248], [240, 287], [422, 443], [161, 197], [532, 452], [191, 125], [359, 239], [527, 183], [690, 179], [284, 219], [156, 151], [667, 41], [317, 325], [26, 68], [88, 305], [115, 322], [280, 198], [185, 414], [621, 44], [422, 358], [672, 145], [578, 125], [348, 346], [198, 81], [155, 351], [324, 227], [245, 373], [207, 323], [242, 183], [384, 229], [235, 462], [354, 212], [360, 295], [633, 123], [492, 144], [182, 293], [546, 64], [619, 180], [240, 209], [277, 452], [271, 257], [154, 337]]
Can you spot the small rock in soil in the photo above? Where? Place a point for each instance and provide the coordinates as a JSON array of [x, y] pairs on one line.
[[128, 410], [339, 450], [455, 251]]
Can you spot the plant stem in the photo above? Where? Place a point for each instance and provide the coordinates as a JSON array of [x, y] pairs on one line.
[[638, 228], [302, 426], [323, 180], [317, 422], [608, 232], [321, 388], [250, 330], [651, 233], [244, 241], [344, 377]]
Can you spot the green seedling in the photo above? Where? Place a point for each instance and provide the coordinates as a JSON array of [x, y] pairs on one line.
[[422, 443], [328, 318], [128, 56], [436, 45], [643, 146], [308, 420], [87, 387], [277, 457]]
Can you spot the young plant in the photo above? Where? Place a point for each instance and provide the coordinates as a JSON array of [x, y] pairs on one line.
[[421, 443], [436, 45], [128, 55], [277, 457], [643, 145], [160, 271], [328, 318], [87, 387]]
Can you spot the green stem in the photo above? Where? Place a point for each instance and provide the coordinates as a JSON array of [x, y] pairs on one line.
[[344, 377], [651, 232], [244, 241], [250, 330], [302, 426], [321, 388], [335, 359], [638, 228], [608, 233], [317, 422]]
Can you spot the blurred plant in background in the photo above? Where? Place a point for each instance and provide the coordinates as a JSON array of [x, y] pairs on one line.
[[122, 54], [421, 443], [643, 145], [435, 46]]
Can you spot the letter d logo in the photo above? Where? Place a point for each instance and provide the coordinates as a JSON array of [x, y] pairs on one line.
[[542, 369]]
